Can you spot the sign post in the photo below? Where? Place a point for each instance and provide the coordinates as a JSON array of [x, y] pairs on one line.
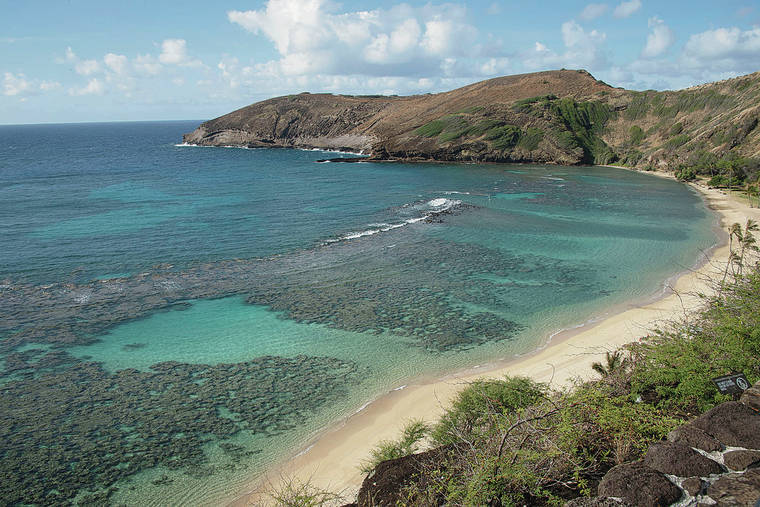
[[735, 383]]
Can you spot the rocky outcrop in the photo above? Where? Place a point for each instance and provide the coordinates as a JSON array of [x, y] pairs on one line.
[[638, 484], [737, 489], [714, 459], [561, 117], [385, 486], [676, 458]]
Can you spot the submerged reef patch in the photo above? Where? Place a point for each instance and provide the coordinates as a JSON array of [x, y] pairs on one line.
[[75, 433]]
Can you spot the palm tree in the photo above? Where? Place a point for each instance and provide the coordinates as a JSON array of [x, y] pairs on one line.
[[747, 241], [615, 363]]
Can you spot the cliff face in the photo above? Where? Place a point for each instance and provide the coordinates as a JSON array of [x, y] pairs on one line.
[[562, 117]]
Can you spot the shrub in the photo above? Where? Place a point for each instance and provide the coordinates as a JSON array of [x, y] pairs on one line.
[[471, 412], [413, 434], [684, 173], [676, 365]]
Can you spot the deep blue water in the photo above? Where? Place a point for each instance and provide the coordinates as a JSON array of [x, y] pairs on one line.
[[146, 274]]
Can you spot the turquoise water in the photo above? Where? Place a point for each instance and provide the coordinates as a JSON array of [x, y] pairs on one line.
[[176, 318]]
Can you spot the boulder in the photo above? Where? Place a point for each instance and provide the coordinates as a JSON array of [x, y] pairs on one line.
[[737, 489], [740, 460], [694, 437], [733, 423], [751, 397], [693, 485], [679, 459], [384, 487], [639, 484]]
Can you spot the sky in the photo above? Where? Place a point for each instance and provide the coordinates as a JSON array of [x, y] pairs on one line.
[[102, 60]]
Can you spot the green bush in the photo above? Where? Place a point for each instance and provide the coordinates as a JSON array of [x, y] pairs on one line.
[[471, 413], [684, 173], [413, 434], [677, 365]]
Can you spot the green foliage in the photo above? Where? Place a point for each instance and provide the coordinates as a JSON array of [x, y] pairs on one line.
[[638, 108], [585, 121], [668, 105], [637, 135], [525, 105], [431, 129], [530, 138], [684, 173], [504, 137], [676, 129], [294, 493], [599, 425], [677, 141], [413, 434], [471, 413], [677, 365], [447, 129]]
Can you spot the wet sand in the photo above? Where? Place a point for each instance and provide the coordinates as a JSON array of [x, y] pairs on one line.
[[333, 459]]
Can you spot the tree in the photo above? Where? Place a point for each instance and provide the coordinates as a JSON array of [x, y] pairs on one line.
[[615, 363]]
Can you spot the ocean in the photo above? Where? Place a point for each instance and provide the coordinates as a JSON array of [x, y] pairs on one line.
[[174, 319]]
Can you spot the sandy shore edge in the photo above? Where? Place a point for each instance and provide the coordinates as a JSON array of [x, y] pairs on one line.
[[332, 460]]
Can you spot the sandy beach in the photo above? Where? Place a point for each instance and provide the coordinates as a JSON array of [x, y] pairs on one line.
[[332, 460]]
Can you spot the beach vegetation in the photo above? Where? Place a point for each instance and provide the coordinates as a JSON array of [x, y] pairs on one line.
[[293, 492], [684, 173], [410, 441]]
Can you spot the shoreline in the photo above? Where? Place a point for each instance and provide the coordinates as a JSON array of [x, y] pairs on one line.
[[331, 459]]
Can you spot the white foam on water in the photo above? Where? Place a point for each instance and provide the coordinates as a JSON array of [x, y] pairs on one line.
[[439, 205]]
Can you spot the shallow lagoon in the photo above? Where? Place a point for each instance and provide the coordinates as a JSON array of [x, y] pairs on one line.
[[143, 278]]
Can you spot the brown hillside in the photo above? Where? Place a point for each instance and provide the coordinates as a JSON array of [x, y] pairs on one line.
[[564, 117]]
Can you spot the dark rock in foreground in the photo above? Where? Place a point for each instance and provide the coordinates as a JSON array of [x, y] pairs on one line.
[[640, 485]]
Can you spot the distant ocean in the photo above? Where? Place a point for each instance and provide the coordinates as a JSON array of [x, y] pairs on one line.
[[173, 319]]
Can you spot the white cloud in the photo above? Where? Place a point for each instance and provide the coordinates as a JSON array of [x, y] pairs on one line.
[[116, 63], [147, 65], [312, 38], [173, 51], [660, 38], [47, 86], [626, 9], [593, 11], [87, 67], [93, 87], [726, 45], [582, 50], [16, 85]]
